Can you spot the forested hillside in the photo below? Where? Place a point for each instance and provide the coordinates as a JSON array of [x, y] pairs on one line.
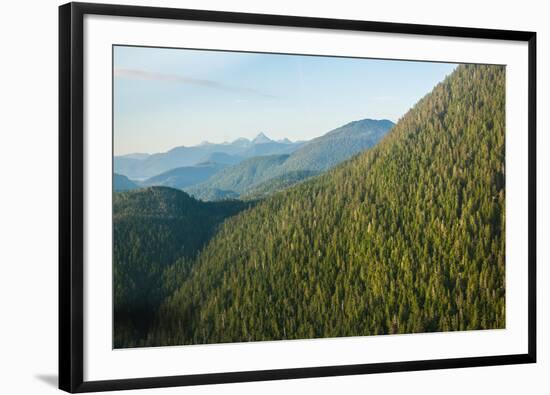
[[276, 184], [239, 178], [157, 233], [337, 145], [406, 237], [182, 177]]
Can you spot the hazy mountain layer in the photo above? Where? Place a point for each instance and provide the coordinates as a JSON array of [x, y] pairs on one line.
[[182, 177], [273, 173], [155, 164], [122, 183]]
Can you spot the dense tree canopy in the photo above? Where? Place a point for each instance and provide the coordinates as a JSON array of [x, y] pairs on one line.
[[156, 235], [406, 237], [276, 184]]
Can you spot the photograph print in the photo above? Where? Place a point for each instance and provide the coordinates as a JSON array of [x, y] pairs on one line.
[[263, 197]]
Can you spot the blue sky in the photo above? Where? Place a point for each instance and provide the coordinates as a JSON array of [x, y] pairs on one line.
[[165, 98]]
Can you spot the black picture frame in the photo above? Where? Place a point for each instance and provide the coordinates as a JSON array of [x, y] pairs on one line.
[[71, 205]]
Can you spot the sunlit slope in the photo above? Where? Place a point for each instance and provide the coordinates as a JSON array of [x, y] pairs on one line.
[[406, 237]]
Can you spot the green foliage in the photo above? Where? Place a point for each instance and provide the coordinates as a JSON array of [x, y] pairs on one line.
[[406, 237], [156, 235], [239, 178], [212, 194], [186, 176], [276, 184]]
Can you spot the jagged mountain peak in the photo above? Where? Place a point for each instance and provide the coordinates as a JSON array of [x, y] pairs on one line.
[[261, 138]]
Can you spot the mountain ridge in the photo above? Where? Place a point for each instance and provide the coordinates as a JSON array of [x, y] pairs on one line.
[[123, 183], [311, 158], [181, 156], [185, 176]]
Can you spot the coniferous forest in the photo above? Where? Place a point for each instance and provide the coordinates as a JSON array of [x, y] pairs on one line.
[[406, 236]]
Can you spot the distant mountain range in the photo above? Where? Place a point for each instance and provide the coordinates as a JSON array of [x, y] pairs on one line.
[[253, 176], [246, 168], [143, 166]]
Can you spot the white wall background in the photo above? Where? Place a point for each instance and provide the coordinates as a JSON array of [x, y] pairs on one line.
[[28, 195]]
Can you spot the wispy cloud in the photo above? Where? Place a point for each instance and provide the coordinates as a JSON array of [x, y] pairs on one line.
[[179, 79]]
